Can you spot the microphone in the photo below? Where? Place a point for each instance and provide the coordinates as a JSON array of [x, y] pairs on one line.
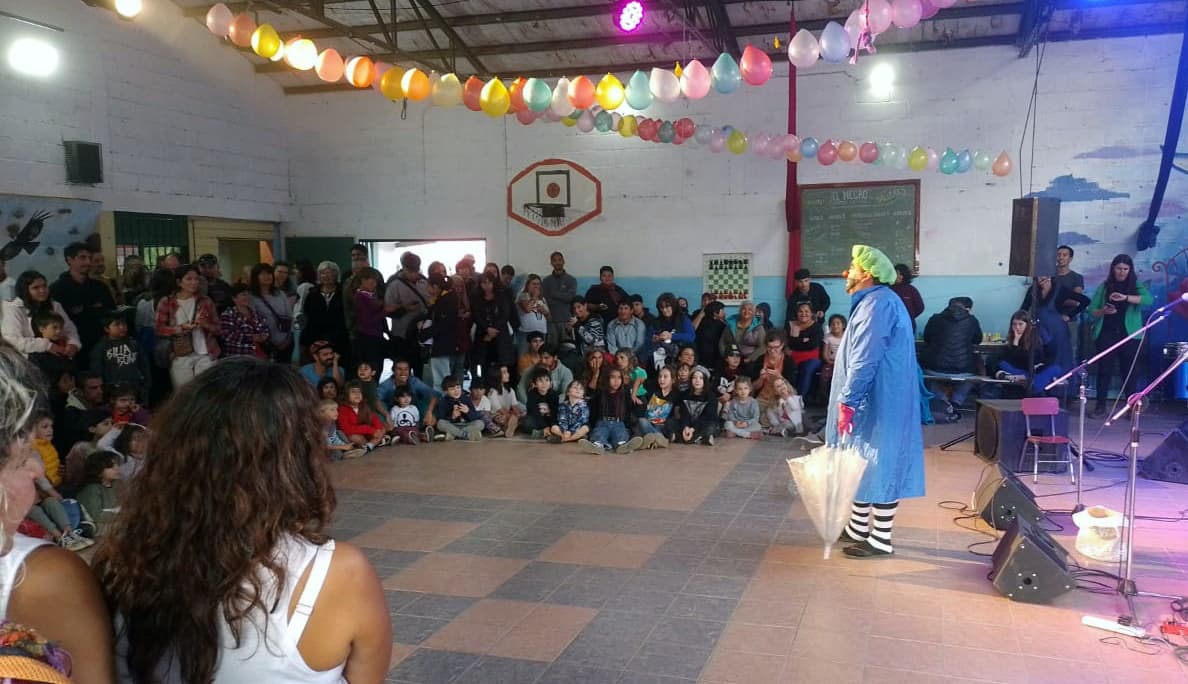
[[1183, 299]]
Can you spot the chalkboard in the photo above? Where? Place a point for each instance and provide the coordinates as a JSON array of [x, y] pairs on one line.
[[882, 214]]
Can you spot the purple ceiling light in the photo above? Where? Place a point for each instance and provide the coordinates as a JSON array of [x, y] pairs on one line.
[[629, 16]]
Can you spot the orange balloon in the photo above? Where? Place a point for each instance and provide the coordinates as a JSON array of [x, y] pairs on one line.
[[1002, 165], [847, 150], [360, 71], [415, 84], [516, 92], [581, 93], [472, 92], [242, 28], [330, 66]]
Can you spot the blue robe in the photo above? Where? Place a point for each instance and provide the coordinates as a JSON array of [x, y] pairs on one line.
[[876, 374]]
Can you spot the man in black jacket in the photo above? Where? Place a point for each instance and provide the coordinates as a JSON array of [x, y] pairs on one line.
[[603, 299], [806, 291], [85, 300], [950, 339]]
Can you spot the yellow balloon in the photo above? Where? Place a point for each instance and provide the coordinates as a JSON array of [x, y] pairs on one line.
[[568, 122], [918, 159], [737, 142], [494, 99], [609, 92], [447, 92], [628, 126], [266, 42], [390, 83]]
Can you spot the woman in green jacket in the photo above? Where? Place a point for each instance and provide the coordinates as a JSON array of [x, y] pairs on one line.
[[1116, 306]]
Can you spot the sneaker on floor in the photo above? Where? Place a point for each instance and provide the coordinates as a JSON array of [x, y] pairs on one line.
[[430, 434], [474, 435], [386, 440], [591, 447], [73, 542], [445, 437], [497, 433], [537, 434], [629, 446], [553, 439], [353, 453], [412, 438], [660, 442], [709, 440]]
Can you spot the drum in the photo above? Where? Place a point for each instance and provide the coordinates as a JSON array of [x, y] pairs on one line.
[[1179, 379]]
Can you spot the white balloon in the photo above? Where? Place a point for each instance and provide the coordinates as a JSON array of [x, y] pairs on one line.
[[664, 84], [803, 49], [560, 104]]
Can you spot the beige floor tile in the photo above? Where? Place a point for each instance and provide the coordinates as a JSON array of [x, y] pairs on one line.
[[399, 653], [407, 534], [603, 549], [774, 613], [888, 675], [544, 633], [910, 627], [762, 639], [974, 663], [803, 669], [820, 644], [455, 574], [1062, 670], [737, 667]]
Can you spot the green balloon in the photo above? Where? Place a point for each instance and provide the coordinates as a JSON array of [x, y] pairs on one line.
[[537, 94], [603, 121], [667, 132], [639, 92]]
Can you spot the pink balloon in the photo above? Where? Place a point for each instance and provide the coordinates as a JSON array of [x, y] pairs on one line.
[[827, 153], [933, 159], [695, 80], [717, 141], [330, 66], [790, 142], [218, 20], [905, 13], [526, 116], [878, 14], [942, 4], [759, 144], [855, 25], [928, 10], [755, 66], [868, 152], [380, 68]]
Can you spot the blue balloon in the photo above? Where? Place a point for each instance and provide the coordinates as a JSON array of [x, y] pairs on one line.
[[964, 161], [727, 129], [808, 148], [702, 134], [638, 91], [835, 43], [724, 75]]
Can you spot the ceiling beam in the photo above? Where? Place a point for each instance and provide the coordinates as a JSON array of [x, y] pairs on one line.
[[782, 56], [455, 40], [719, 18]]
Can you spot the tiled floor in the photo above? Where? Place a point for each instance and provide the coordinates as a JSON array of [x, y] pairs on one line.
[[517, 562]]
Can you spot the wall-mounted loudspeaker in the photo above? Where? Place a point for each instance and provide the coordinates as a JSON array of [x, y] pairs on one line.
[[1029, 565], [84, 162], [1035, 234]]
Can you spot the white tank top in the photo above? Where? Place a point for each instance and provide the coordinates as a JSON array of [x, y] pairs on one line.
[[278, 660], [11, 564]]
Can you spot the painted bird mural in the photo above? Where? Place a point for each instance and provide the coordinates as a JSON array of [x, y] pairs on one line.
[[25, 238]]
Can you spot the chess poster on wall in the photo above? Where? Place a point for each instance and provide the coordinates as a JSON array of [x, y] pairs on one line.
[[728, 276]]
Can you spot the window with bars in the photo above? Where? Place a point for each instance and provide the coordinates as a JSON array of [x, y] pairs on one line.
[[151, 236]]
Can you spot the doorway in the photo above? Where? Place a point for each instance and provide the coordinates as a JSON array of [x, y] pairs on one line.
[[237, 256], [385, 254]]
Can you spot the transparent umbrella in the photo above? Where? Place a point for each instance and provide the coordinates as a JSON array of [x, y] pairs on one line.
[[827, 478]]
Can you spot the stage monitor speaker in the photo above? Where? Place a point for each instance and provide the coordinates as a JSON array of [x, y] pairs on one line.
[[1169, 461], [1000, 431], [1002, 498], [1035, 234], [1030, 566]]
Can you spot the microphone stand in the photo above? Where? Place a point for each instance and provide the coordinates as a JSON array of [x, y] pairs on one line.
[[1156, 318], [1134, 404]]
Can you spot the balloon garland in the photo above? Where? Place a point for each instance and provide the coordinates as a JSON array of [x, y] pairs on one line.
[[780, 146], [588, 106]]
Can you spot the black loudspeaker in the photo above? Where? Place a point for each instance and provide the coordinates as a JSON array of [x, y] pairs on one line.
[[1035, 234], [84, 162], [1000, 431], [1030, 566], [1169, 461], [1003, 498]]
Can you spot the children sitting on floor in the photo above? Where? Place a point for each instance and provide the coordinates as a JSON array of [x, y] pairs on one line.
[[741, 416], [366, 375], [482, 405], [100, 496], [505, 409], [95, 423], [328, 389], [633, 375], [541, 403], [658, 423], [405, 417], [731, 371], [531, 355], [131, 446], [48, 511], [337, 445], [124, 408], [699, 410], [53, 365], [613, 409], [357, 421], [573, 416], [456, 416], [786, 415]]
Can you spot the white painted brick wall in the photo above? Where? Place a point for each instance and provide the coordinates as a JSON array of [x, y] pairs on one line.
[[443, 173], [186, 126]]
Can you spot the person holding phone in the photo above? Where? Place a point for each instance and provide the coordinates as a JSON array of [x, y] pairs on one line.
[[1116, 308]]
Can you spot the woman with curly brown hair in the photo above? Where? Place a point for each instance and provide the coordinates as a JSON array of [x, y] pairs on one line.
[[224, 570]]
